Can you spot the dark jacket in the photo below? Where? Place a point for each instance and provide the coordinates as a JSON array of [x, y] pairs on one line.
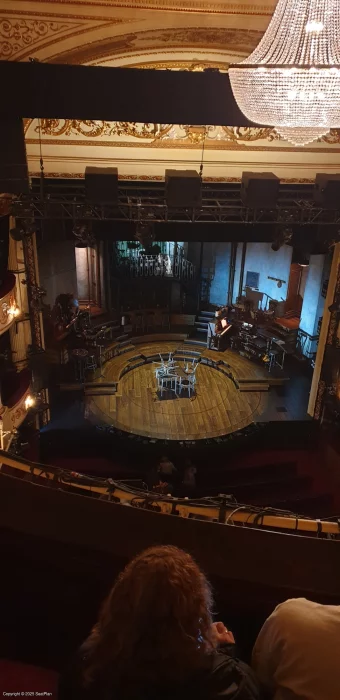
[[225, 679]]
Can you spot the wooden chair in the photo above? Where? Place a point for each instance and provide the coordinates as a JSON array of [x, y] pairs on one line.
[[187, 383]]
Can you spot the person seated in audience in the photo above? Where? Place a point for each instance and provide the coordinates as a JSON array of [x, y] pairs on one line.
[[164, 488], [296, 655], [155, 639], [166, 470]]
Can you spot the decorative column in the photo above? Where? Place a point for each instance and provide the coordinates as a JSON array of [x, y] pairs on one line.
[[327, 358], [27, 338]]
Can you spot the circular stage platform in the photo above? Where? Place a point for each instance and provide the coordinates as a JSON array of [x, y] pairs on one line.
[[230, 393]]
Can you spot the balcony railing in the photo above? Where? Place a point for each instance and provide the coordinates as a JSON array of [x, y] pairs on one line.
[[166, 266]]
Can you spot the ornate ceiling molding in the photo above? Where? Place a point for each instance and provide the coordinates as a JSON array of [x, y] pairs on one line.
[[223, 7], [218, 39], [21, 35]]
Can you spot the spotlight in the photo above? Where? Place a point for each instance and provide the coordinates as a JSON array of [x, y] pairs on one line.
[[284, 235], [335, 306], [27, 228], [17, 233], [84, 236], [144, 234], [300, 257]]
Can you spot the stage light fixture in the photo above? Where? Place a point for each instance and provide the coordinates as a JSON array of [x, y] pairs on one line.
[[300, 257], [284, 235], [144, 233], [16, 233], [335, 306], [84, 236]]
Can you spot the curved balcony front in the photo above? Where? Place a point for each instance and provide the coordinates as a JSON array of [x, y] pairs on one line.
[[15, 402], [9, 310]]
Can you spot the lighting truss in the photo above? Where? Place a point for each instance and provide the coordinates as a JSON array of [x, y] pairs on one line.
[[138, 202]]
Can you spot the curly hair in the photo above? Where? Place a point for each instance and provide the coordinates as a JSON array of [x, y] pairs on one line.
[[155, 625]]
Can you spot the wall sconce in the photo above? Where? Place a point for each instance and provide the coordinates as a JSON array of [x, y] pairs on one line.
[[29, 402], [12, 310]]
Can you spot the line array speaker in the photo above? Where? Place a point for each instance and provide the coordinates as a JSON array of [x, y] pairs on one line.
[[101, 185], [327, 191], [183, 188], [259, 190]]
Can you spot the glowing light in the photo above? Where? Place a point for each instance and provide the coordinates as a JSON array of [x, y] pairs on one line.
[[13, 311], [314, 26], [29, 402], [292, 79]]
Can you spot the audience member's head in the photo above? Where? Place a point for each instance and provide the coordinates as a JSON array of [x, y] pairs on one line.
[[155, 625]]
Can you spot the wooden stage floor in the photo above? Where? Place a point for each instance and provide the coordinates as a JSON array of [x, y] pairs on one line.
[[217, 408]]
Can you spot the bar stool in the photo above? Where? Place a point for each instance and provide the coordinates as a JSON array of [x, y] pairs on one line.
[[167, 381], [188, 383]]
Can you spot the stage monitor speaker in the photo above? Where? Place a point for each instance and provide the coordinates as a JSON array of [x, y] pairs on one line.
[[101, 185], [183, 188], [259, 190], [327, 191]]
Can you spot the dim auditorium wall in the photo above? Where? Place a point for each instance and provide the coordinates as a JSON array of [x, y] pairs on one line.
[[262, 259], [57, 269]]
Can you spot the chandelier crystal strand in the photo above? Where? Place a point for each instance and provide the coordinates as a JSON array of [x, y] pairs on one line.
[[292, 79]]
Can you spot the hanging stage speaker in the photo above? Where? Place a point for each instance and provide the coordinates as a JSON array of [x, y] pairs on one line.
[[101, 185], [327, 191], [183, 188], [259, 190]]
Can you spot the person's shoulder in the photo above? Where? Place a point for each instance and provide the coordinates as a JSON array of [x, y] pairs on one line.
[[295, 607], [296, 616], [232, 678]]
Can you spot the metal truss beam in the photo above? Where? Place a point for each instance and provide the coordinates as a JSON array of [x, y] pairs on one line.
[[221, 207]]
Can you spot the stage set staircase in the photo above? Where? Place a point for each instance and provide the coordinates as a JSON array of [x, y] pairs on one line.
[[201, 323]]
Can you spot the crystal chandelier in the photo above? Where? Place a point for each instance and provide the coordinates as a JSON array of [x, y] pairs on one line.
[[292, 79]]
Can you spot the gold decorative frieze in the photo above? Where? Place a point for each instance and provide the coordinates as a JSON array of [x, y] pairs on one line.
[[158, 134], [237, 41], [192, 66], [94, 129]]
